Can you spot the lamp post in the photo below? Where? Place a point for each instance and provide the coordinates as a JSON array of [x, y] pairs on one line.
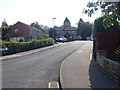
[[53, 28]]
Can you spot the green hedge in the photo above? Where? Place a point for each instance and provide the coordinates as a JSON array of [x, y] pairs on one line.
[[106, 22], [15, 47]]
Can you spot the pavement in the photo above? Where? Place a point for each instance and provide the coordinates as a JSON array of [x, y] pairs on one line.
[[79, 71], [16, 55]]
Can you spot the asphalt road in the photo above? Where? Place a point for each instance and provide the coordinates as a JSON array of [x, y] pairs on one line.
[[36, 70]]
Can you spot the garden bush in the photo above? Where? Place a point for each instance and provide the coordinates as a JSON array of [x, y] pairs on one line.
[[15, 47]]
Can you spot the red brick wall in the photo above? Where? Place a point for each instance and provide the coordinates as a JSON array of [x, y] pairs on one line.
[[23, 30], [108, 41]]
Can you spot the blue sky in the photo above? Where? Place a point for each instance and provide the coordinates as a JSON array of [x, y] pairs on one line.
[[43, 11]]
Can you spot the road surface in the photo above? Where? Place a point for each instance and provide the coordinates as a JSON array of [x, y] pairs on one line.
[[36, 70]]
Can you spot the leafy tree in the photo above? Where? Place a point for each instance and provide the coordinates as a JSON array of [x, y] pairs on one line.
[[36, 24], [106, 22], [110, 10], [45, 29], [105, 7], [5, 33], [84, 29]]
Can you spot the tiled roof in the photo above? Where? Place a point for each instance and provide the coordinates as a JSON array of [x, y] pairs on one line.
[[34, 28], [59, 28], [70, 28]]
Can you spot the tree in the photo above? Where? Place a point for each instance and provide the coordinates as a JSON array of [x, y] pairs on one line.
[[45, 29], [84, 29], [105, 7], [36, 24], [110, 10], [106, 22], [5, 32]]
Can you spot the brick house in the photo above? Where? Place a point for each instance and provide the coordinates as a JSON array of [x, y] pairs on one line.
[[24, 31], [66, 30]]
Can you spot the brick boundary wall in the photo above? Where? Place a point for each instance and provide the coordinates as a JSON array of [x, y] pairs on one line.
[[110, 67], [109, 41]]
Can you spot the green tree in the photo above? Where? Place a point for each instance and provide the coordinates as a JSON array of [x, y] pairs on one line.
[[5, 33], [36, 24], [105, 7], [110, 10], [84, 29], [45, 29], [106, 22]]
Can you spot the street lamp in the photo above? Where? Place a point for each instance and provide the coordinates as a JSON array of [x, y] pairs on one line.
[[53, 28]]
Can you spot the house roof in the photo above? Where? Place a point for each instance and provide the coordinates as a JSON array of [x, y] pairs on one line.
[[33, 28]]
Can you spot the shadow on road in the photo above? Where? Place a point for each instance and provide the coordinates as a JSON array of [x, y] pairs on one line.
[[98, 79]]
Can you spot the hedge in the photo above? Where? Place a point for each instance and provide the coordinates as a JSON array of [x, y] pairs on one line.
[[15, 47]]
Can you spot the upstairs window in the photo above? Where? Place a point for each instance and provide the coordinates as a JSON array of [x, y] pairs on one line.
[[16, 30]]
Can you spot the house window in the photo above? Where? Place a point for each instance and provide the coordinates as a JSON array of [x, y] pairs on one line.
[[16, 30], [69, 31], [62, 32], [73, 31], [39, 33]]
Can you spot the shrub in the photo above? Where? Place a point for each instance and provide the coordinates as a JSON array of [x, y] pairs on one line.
[[21, 40], [15, 47]]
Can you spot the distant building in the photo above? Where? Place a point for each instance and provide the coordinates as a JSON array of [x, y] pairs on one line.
[[66, 30], [26, 32]]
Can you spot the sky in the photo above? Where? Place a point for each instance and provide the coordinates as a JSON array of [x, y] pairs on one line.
[[43, 11]]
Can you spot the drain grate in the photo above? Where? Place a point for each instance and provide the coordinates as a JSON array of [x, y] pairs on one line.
[[53, 84]]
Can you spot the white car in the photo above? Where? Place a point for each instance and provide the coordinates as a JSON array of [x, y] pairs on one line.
[[61, 39]]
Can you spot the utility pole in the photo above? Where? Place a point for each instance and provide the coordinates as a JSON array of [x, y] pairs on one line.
[[53, 28]]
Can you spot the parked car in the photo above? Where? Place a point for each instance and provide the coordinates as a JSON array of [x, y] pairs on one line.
[[61, 39], [78, 37], [89, 38]]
